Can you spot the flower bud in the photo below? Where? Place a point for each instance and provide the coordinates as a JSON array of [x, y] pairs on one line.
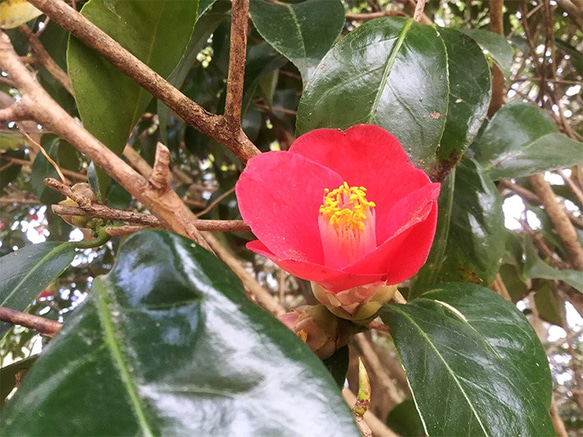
[[78, 220], [358, 304], [323, 332]]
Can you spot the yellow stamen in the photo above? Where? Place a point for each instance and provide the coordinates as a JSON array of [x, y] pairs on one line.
[[347, 225], [346, 207]]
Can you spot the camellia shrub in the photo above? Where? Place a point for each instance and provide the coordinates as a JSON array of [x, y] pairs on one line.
[[260, 217]]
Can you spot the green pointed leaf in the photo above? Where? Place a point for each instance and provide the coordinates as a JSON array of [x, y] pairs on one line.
[[10, 376], [155, 31], [26, 272], [550, 305], [469, 96], [470, 237], [474, 364], [302, 32], [522, 140], [169, 344], [404, 419], [391, 72], [496, 45], [534, 267]]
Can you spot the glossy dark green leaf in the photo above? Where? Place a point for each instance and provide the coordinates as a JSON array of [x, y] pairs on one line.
[[550, 305], [534, 267], [261, 61], [26, 272], [522, 140], [470, 237], [156, 31], [496, 45], [302, 32], [169, 344], [10, 376], [474, 364], [404, 420], [391, 72], [469, 96]]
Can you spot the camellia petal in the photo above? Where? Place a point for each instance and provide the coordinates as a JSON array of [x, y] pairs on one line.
[[280, 195]]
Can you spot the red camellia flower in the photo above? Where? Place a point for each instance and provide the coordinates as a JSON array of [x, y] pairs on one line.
[[345, 210]]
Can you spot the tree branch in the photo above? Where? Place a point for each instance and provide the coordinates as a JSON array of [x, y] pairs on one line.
[[237, 55], [44, 326], [557, 214], [44, 110], [498, 81], [215, 126], [45, 59]]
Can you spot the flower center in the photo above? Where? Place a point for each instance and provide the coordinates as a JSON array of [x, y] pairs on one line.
[[347, 225]]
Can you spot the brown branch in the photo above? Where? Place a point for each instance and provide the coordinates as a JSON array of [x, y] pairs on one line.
[[533, 199], [372, 15], [145, 220], [575, 189], [46, 327], [215, 202], [43, 109], [14, 112], [558, 216], [215, 126], [498, 98], [237, 54], [45, 59], [419, 7], [257, 291], [160, 178]]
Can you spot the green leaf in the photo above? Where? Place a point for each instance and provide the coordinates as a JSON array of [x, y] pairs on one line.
[[391, 72], [28, 271], [169, 344], [155, 31], [302, 32], [10, 376], [470, 236], [496, 45], [534, 267], [549, 305], [474, 364], [522, 140], [469, 96], [404, 419]]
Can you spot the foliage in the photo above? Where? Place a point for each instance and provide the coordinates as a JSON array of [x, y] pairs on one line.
[[158, 334]]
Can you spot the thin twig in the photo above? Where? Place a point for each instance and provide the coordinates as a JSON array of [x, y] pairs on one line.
[[46, 327], [237, 54], [215, 126], [43, 151], [419, 7], [257, 291], [557, 214], [215, 202], [167, 206], [372, 15], [45, 59]]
